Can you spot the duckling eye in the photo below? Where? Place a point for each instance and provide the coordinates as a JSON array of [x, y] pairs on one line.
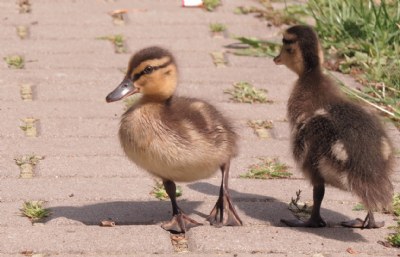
[[289, 50], [148, 70]]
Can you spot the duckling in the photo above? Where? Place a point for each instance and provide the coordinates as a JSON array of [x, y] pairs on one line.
[[175, 138], [334, 141]]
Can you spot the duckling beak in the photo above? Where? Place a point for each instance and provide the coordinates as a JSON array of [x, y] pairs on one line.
[[277, 59], [125, 89]]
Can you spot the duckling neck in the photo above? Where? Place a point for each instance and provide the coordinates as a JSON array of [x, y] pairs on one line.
[[311, 73], [157, 98]]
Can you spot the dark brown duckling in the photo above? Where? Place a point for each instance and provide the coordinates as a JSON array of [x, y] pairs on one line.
[[175, 138], [334, 141]]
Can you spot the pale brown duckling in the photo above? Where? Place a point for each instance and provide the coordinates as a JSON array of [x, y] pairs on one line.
[[334, 141], [175, 138]]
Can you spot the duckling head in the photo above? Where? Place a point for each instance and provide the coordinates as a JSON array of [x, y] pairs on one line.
[[152, 71], [301, 51]]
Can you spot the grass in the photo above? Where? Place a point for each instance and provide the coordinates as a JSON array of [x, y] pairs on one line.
[[394, 238], [362, 38], [210, 5], [160, 193], [251, 46], [290, 15], [118, 41], [15, 61], [34, 210], [244, 92], [217, 27], [267, 169]]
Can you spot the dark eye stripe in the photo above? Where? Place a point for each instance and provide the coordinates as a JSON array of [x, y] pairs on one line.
[[288, 41], [150, 69]]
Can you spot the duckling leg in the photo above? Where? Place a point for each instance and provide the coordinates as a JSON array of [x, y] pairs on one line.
[[315, 220], [224, 213], [368, 222], [179, 223]]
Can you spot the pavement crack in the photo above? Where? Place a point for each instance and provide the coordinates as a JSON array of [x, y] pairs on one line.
[[180, 242]]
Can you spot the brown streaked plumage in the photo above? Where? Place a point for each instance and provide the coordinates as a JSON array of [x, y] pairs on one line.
[[334, 141], [175, 138]]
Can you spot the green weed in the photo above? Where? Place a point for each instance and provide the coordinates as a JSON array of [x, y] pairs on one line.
[[290, 15], [210, 5], [160, 193], [267, 169], [34, 210], [251, 46], [244, 92], [394, 238], [301, 210], [217, 27], [118, 42], [15, 61], [359, 207]]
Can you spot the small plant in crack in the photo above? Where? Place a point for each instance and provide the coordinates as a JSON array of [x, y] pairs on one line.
[[217, 27], [261, 127], [34, 210], [267, 168], [244, 92], [210, 5], [118, 41], [27, 164], [15, 61], [160, 193], [300, 210]]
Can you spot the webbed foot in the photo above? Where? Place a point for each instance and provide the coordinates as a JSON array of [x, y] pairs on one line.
[[224, 213], [359, 223], [311, 223], [180, 223]]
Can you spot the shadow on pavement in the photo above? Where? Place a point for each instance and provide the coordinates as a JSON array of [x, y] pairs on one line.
[[121, 212], [271, 210]]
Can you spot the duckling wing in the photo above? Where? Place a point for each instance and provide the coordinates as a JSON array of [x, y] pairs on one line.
[[199, 123]]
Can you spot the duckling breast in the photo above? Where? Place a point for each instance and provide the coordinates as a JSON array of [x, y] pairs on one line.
[[172, 146]]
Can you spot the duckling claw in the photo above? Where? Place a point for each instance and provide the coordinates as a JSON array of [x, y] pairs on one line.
[[180, 223]]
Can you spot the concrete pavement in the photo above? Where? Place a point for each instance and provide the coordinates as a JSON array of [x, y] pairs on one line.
[[85, 177]]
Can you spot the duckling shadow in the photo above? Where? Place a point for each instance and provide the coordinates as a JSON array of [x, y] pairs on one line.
[[121, 212], [271, 211]]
